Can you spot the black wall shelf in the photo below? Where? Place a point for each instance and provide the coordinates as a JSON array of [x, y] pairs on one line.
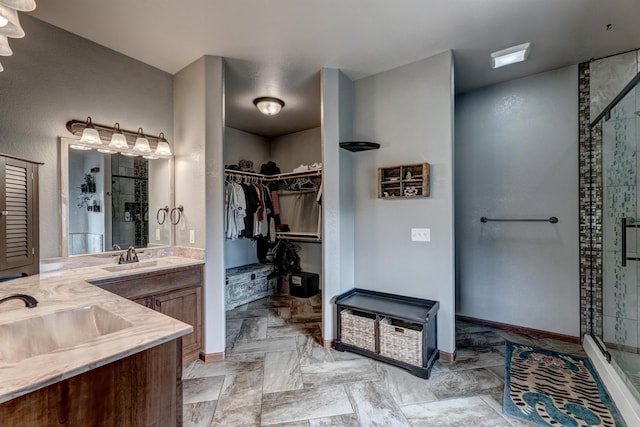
[[359, 145]]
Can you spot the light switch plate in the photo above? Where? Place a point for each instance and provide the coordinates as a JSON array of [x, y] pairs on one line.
[[192, 236], [157, 234], [420, 235]]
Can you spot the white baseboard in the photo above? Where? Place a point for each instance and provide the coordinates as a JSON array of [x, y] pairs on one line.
[[623, 398]]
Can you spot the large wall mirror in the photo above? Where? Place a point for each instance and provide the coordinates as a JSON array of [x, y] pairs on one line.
[[113, 201]]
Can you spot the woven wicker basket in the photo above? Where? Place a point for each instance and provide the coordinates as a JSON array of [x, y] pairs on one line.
[[401, 341], [358, 329]]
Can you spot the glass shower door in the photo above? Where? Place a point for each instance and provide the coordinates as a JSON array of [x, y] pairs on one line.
[[620, 226]]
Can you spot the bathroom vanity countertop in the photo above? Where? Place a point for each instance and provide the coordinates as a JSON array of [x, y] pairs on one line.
[[67, 288]]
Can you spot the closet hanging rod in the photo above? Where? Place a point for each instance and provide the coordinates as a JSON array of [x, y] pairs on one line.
[[242, 173], [552, 220], [278, 177]]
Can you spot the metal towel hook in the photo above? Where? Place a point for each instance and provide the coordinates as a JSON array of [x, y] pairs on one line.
[[180, 210], [164, 211]]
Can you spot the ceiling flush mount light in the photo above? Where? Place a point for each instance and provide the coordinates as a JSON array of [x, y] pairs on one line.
[[510, 55], [142, 143], [268, 106], [90, 134], [118, 140]]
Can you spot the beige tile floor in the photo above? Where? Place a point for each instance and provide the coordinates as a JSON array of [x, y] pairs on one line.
[[277, 374]]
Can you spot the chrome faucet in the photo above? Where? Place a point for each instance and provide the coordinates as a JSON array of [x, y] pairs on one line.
[[29, 301], [116, 247], [132, 256]]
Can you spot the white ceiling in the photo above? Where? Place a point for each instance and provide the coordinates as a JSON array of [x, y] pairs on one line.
[[277, 47]]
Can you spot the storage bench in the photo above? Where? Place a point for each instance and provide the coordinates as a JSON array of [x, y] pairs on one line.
[[395, 329], [248, 283]]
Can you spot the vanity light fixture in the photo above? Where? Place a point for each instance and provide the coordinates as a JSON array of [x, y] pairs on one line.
[[107, 151], [21, 5], [79, 147], [163, 148], [268, 105], [118, 140], [5, 50], [150, 147], [90, 134], [142, 143], [510, 55], [10, 24]]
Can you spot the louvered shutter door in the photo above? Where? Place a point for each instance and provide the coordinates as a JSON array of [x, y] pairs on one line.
[[16, 242]]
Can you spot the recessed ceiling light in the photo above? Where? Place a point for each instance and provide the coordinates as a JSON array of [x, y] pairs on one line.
[[510, 55]]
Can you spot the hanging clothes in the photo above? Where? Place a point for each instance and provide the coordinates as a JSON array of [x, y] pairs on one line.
[[235, 210], [251, 197]]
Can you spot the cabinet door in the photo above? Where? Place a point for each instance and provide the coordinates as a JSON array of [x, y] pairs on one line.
[[146, 301], [184, 305], [16, 214]]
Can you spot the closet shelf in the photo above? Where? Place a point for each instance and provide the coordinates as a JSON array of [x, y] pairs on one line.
[[300, 237], [278, 177]]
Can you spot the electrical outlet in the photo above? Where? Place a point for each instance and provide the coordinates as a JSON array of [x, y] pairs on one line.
[[192, 236], [157, 234], [420, 235]]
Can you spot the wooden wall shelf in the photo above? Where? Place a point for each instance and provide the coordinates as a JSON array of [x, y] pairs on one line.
[[403, 182]]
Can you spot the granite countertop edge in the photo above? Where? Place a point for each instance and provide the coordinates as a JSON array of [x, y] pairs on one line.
[[66, 289]]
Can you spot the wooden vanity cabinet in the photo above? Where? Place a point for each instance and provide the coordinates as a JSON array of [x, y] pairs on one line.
[[19, 250], [176, 293], [180, 305]]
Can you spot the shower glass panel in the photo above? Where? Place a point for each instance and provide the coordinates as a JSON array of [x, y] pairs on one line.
[[619, 133]]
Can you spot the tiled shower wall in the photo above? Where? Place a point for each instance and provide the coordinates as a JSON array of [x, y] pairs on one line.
[[599, 82]]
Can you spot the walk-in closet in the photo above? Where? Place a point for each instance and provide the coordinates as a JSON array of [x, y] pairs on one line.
[[272, 212]]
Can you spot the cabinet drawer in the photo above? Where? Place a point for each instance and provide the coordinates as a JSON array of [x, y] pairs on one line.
[[152, 283], [401, 341], [358, 329]]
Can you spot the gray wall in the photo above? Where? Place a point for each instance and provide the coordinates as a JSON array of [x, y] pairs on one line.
[[517, 157], [240, 145], [408, 110], [347, 188], [55, 76], [189, 152], [289, 151], [199, 124]]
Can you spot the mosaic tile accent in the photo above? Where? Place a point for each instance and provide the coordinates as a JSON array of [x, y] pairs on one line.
[[590, 211]]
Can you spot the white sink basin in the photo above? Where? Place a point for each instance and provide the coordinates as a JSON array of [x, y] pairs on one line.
[[131, 266], [62, 330]]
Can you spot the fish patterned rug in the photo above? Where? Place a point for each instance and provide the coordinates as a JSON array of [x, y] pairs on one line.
[[548, 388]]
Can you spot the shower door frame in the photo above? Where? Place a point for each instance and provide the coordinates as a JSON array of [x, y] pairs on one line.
[[596, 196]]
